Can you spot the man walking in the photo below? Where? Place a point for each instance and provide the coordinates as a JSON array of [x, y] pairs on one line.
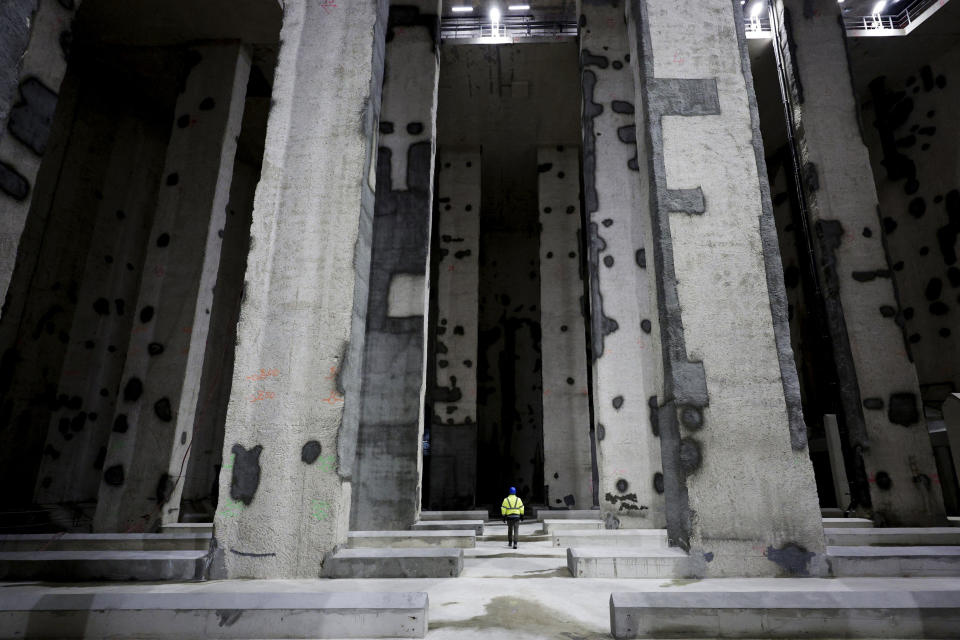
[[512, 512]]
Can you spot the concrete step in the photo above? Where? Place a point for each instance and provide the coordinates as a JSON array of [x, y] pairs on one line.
[[412, 539], [831, 512], [568, 514], [909, 562], [213, 615], [604, 562], [856, 523], [895, 536], [785, 614], [551, 526], [524, 537], [450, 525], [188, 527], [610, 538], [953, 521], [106, 542], [477, 514], [83, 566], [394, 563]]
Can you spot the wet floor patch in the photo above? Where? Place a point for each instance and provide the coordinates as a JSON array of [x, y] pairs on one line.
[[527, 616]]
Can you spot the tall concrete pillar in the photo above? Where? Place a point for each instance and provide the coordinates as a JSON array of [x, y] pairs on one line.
[[153, 425], [386, 485], [841, 485], [879, 390], [291, 431], [624, 323], [567, 457], [739, 487], [34, 47], [453, 430]]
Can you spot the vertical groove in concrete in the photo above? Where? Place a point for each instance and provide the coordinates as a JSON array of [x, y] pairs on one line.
[[625, 325], [290, 438]]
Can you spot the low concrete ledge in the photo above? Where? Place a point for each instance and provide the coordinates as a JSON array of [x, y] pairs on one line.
[[786, 614], [83, 566], [656, 538], [900, 536], [214, 615], [855, 523], [907, 562], [188, 527], [106, 542], [551, 526], [394, 563], [450, 525], [568, 514], [412, 539], [603, 562], [478, 514]]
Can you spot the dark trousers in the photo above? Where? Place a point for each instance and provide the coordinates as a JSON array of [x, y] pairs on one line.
[[513, 529]]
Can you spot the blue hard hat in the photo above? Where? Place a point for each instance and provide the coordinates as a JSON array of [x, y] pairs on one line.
[[513, 490]]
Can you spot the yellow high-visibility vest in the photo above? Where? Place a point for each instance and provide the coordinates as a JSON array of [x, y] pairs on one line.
[[512, 506]]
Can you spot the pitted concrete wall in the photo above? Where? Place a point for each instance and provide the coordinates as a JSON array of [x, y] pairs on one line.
[[730, 392], [37, 73], [879, 388], [453, 429], [386, 486], [153, 425], [290, 441], [567, 463], [625, 325]]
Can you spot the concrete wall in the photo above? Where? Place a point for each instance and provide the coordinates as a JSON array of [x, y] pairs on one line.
[[730, 389], [453, 430], [567, 433], [291, 438], [879, 388], [624, 324], [386, 487]]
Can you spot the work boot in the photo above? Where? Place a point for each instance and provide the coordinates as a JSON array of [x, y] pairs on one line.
[[514, 545]]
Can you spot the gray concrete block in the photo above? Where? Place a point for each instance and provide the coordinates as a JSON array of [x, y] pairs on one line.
[[846, 562], [900, 536], [188, 527], [450, 525], [112, 614], [844, 523], [954, 521], [551, 526], [106, 542], [82, 566], [479, 514], [603, 562], [412, 539], [393, 563], [568, 514], [656, 538], [786, 614], [831, 512]]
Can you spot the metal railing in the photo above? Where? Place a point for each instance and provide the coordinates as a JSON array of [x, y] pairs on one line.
[[509, 27], [902, 20]]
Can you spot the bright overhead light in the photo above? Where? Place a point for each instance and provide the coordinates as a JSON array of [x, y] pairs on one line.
[[494, 15], [756, 9], [461, 9], [877, 8], [519, 7]]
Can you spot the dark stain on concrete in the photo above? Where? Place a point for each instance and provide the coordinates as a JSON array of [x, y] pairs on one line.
[[246, 473]]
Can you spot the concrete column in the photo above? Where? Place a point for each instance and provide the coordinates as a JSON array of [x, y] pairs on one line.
[[624, 323], [153, 424], [841, 485], [567, 458], [453, 432], [879, 389], [951, 419], [34, 44], [739, 487], [291, 431], [386, 486], [79, 429]]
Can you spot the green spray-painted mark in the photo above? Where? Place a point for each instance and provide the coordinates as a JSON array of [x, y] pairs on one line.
[[229, 465], [320, 510], [327, 463], [231, 509]]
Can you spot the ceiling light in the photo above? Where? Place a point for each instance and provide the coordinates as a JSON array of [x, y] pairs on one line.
[[756, 9], [877, 8], [519, 7], [461, 9], [494, 15]]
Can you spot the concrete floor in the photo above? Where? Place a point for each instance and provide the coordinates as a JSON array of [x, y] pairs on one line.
[[523, 594]]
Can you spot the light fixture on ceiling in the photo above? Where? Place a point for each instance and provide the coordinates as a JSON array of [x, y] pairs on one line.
[[461, 9], [756, 9], [495, 22], [877, 8], [519, 7]]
